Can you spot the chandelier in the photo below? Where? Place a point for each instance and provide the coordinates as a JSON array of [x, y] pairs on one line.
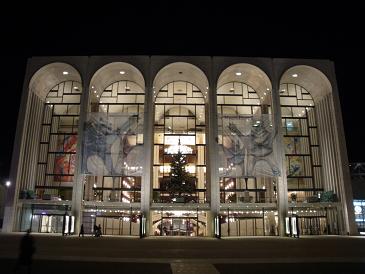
[[174, 149]]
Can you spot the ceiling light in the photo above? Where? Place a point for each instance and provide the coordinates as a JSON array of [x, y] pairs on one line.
[[238, 73], [264, 93], [268, 89], [65, 73], [295, 75], [92, 86], [122, 72]]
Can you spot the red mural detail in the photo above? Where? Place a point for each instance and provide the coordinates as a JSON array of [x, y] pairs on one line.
[[65, 163]]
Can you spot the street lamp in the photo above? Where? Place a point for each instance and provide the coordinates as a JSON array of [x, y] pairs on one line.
[[8, 184]]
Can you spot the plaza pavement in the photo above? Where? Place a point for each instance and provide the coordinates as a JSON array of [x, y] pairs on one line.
[[113, 254]]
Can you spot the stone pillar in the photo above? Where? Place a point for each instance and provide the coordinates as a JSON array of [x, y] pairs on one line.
[[335, 166], [146, 188], [79, 178], [12, 192], [212, 156], [281, 181]]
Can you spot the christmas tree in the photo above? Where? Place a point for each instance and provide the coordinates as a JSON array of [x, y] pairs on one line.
[[181, 183]]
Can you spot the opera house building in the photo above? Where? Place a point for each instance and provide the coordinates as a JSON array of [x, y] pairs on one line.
[[195, 146]]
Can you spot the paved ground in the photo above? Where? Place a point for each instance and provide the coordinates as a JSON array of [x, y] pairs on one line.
[[70, 267], [57, 254]]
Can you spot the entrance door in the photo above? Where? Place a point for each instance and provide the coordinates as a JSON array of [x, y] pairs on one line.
[[179, 227], [179, 223], [47, 223], [312, 225], [243, 227]]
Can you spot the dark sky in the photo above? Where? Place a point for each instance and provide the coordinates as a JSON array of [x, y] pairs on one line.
[[185, 30]]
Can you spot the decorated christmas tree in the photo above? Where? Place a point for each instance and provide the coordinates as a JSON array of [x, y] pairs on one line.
[[180, 184]]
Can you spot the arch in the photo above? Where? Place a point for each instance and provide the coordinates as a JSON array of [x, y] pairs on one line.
[[50, 76], [117, 88], [180, 121], [250, 75], [181, 71], [114, 72], [310, 78]]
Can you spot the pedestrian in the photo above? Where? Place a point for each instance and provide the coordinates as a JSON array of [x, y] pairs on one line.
[[81, 230], [99, 230], [63, 225], [96, 230], [26, 252]]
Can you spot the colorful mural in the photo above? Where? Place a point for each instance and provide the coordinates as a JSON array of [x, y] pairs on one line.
[[110, 145], [246, 148], [64, 160]]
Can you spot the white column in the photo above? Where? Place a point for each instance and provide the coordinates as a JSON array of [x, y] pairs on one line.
[[146, 188], [281, 184], [333, 165], [12, 193], [78, 186], [19, 161], [212, 157]]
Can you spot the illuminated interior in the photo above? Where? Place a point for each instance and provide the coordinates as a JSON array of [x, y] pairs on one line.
[[302, 151], [57, 145], [179, 223], [239, 99], [121, 97], [179, 124]]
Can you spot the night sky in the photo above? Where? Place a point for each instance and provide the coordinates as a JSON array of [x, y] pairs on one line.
[[185, 30]]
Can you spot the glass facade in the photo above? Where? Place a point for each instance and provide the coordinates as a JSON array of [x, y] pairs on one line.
[[179, 223], [122, 97], [179, 125], [227, 138], [255, 222], [58, 141], [300, 135], [237, 99]]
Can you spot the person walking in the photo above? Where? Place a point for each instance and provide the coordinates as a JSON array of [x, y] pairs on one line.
[[95, 230], [99, 230], [81, 230], [26, 252]]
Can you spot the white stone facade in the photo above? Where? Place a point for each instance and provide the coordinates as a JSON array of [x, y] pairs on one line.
[[266, 80]]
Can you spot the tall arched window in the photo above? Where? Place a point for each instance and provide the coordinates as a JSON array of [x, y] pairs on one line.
[[121, 97], [237, 100], [179, 125], [58, 141], [302, 152]]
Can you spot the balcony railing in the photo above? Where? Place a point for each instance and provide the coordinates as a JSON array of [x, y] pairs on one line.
[[163, 196]]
